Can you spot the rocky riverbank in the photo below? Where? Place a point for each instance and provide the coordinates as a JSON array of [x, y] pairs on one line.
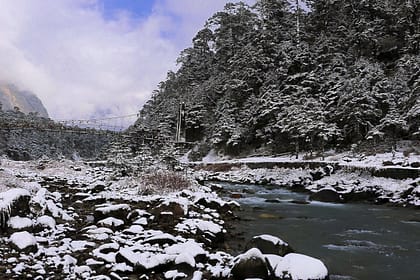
[[65, 220], [323, 183]]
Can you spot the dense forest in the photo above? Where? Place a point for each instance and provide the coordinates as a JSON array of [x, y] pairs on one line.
[[272, 78]]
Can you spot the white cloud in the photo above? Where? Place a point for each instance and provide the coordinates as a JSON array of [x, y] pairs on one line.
[[82, 65]]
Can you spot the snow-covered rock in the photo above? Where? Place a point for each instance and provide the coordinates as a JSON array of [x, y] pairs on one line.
[[192, 225], [23, 241], [191, 247], [301, 267], [141, 221], [269, 244], [111, 222], [185, 258], [46, 222], [143, 260], [19, 223], [13, 201], [101, 233], [134, 229], [161, 239], [119, 211], [174, 274], [81, 245], [251, 264]]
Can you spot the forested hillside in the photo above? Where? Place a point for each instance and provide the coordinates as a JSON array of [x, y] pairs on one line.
[[272, 78]]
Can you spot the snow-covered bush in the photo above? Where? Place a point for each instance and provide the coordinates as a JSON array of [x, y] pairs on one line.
[[164, 181]]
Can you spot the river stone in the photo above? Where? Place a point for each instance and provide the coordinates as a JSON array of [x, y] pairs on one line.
[[112, 223], [298, 266], [208, 203], [251, 264], [388, 163], [184, 263], [354, 196], [269, 244], [176, 209], [119, 211], [100, 187], [298, 187], [327, 195], [273, 200], [236, 195], [23, 241], [415, 164], [17, 223], [137, 214], [317, 175], [161, 239]]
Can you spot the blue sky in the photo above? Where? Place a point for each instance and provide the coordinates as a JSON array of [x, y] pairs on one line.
[[138, 8]]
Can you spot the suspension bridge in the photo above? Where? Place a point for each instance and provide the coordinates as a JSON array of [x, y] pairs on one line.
[[110, 125]]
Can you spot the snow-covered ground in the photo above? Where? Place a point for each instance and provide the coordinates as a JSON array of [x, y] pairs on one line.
[[89, 223], [345, 159]]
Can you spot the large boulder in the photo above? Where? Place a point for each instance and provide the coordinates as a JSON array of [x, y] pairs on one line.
[[13, 202], [20, 223], [23, 241], [300, 267], [251, 264], [269, 244]]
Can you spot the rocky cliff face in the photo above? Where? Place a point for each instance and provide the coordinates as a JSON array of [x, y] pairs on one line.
[[11, 97]]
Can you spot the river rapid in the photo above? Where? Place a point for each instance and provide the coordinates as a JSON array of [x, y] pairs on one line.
[[355, 241]]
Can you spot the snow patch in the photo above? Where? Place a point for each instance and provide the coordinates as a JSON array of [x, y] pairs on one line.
[[22, 239]]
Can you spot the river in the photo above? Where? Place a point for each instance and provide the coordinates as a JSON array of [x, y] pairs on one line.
[[355, 241]]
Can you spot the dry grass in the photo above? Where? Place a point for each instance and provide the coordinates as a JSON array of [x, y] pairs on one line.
[[165, 181]]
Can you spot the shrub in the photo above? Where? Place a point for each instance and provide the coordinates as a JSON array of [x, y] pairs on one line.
[[164, 181]]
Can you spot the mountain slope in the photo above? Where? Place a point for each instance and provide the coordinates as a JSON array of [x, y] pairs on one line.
[[11, 97]]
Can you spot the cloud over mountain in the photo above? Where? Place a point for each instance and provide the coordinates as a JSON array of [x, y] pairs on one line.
[[82, 64]]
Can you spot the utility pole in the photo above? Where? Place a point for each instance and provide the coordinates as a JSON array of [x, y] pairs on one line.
[[180, 127], [298, 21]]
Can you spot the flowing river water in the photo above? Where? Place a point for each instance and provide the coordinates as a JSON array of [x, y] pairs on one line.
[[355, 241]]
